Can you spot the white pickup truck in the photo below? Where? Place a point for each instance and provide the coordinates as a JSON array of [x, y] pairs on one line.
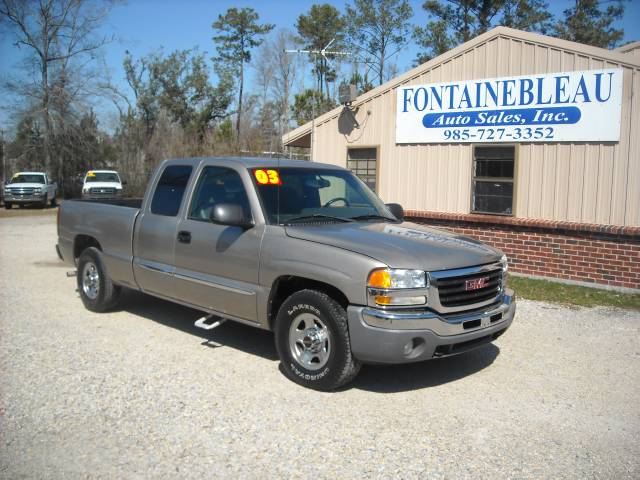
[[29, 188], [102, 184]]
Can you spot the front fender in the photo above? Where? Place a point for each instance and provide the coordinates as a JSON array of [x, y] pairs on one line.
[[282, 256]]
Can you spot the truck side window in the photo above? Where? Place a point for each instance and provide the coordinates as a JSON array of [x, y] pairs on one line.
[[218, 185], [170, 190]]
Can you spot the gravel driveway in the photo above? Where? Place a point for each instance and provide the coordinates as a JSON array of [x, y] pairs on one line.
[[140, 393]]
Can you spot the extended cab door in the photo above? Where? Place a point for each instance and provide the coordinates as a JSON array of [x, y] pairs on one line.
[[156, 230], [216, 266]]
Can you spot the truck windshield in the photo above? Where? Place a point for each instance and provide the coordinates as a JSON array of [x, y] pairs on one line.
[[298, 195], [28, 178], [102, 177]]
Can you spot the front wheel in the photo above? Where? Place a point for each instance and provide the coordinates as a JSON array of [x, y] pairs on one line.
[[7, 206], [54, 202], [312, 339], [97, 292]]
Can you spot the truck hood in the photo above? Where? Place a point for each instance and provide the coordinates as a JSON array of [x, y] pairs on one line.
[[401, 245], [25, 185], [102, 185]]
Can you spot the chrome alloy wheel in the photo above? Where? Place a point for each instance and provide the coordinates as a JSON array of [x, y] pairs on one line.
[[309, 341], [90, 280]]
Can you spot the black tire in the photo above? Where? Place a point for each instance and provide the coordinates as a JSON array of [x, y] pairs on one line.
[[54, 202], [107, 294], [7, 206], [340, 367]]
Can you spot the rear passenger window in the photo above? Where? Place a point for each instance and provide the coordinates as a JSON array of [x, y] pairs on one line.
[[218, 185], [170, 190]]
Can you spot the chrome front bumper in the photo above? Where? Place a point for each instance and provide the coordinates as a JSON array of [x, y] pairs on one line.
[[440, 324], [101, 196], [41, 197], [383, 336]]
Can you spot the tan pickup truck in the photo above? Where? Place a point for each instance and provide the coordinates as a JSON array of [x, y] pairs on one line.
[[304, 249]]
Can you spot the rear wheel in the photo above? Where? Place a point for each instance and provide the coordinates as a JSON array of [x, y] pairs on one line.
[[97, 291], [312, 340]]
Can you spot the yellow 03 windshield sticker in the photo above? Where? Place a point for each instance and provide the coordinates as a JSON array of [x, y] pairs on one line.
[[267, 177], [91, 174]]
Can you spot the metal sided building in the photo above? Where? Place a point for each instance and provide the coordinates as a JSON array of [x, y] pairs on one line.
[[524, 141]]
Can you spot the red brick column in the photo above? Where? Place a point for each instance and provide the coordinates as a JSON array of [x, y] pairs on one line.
[[599, 254]]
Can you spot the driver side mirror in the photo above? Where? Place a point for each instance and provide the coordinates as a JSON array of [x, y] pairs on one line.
[[396, 210], [230, 214]]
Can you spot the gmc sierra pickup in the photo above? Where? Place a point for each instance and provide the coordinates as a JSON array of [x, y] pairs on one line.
[[304, 249]]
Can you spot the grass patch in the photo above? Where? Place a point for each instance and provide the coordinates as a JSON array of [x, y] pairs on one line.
[[556, 292]]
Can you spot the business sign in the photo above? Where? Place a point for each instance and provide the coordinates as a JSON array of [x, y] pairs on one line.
[[558, 107]]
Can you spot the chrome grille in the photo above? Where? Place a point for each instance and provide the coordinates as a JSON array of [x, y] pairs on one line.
[[21, 190], [462, 290]]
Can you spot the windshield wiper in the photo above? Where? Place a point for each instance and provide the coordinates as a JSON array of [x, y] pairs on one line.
[[374, 217], [316, 216]]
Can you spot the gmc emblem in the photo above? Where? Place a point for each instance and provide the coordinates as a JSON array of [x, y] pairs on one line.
[[476, 283]]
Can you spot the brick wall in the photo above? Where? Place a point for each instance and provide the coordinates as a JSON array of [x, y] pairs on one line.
[[598, 254]]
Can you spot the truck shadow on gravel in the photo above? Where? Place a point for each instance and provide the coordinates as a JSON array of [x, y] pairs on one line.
[[231, 334], [373, 378], [415, 376]]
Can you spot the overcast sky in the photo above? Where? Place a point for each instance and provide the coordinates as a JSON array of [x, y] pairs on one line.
[[143, 26]]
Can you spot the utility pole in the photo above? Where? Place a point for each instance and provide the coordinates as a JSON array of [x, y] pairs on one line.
[[4, 165], [324, 52]]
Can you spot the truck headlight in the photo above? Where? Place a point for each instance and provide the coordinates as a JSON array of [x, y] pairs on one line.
[[387, 278], [388, 287], [37, 190]]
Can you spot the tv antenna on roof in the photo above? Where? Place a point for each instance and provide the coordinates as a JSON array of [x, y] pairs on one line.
[[323, 52]]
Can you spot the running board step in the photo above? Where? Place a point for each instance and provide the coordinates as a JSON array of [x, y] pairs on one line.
[[209, 322]]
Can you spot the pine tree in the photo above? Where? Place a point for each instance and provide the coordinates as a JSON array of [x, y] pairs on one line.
[[587, 22], [457, 21], [323, 24], [378, 30], [237, 33]]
